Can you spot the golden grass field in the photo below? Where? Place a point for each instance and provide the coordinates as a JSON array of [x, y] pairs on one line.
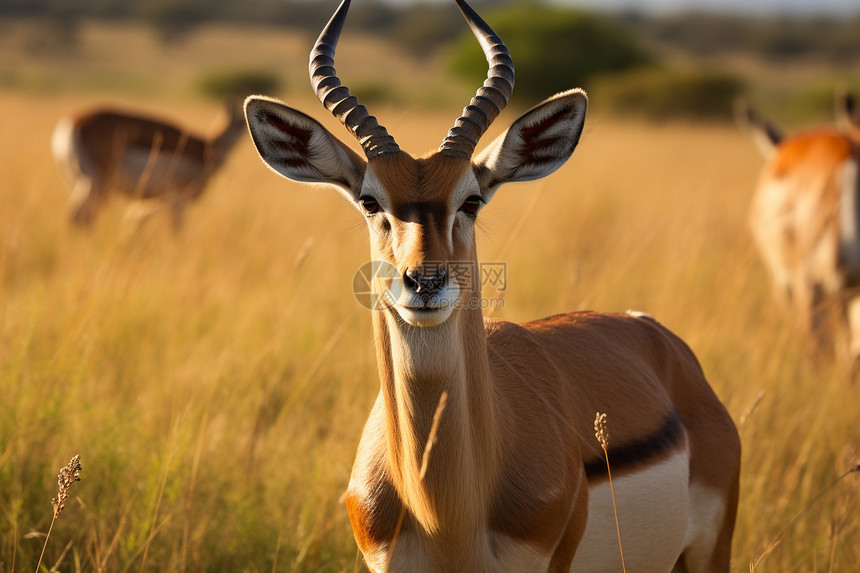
[[215, 384]]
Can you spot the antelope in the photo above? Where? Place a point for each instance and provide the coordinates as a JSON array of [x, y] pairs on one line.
[[107, 151], [805, 219], [515, 480]]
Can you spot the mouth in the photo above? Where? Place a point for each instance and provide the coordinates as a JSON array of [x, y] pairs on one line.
[[424, 316], [426, 311]]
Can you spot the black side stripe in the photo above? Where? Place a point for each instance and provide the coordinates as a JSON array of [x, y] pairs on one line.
[[627, 456]]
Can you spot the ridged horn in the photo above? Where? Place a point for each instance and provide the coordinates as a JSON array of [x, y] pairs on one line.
[[491, 98], [374, 138]]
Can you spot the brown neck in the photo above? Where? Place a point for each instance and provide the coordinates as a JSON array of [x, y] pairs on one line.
[[416, 366]]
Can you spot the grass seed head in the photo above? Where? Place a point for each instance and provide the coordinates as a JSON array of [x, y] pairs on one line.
[[68, 475], [600, 431]]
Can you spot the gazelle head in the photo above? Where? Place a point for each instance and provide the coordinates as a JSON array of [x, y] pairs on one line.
[[420, 211]]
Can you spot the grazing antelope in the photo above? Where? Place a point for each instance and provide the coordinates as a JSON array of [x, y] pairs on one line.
[[805, 219], [105, 151], [516, 480]]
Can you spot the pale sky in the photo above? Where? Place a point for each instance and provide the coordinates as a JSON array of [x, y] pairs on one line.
[[768, 7], [757, 6]]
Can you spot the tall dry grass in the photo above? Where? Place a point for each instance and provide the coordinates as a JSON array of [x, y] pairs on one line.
[[216, 383]]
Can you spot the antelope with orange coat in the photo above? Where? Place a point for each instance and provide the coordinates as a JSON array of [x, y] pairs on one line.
[[805, 221], [516, 480]]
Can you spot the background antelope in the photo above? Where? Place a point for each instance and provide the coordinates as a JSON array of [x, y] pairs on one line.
[[106, 151], [515, 481], [805, 219]]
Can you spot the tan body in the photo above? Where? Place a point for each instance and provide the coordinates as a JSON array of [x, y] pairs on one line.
[[512, 479], [805, 220], [521, 502], [107, 152]]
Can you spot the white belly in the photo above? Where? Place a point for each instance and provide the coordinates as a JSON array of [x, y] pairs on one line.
[[652, 513], [654, 517]]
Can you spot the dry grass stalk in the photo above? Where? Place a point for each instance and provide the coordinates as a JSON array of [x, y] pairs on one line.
[[14, 545], [56, 565], [277, 552], [154, 526], [750, 409], [431, 438], [68, 475], [602, 435], [778, 537], [303, 253]]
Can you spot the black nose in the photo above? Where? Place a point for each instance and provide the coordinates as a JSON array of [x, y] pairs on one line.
[[425, 285]]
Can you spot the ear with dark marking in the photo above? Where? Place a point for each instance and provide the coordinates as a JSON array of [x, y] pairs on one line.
[[536, 144], [847, 117], [766, 135], [300, 148]]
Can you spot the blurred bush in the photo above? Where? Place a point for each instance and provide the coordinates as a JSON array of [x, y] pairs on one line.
[[57, 35], [424, 28], [553, 48], [831, 39], [657, 93], [238, 83], [805, 105], [370, 93], [172, 19]]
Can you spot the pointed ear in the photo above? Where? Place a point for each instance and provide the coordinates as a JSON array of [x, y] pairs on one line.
[[300, 148], [537, 144], [765, 135], [846, 110]]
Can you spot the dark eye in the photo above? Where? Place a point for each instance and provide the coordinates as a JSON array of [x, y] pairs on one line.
[[369, 204], [471, 205]]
